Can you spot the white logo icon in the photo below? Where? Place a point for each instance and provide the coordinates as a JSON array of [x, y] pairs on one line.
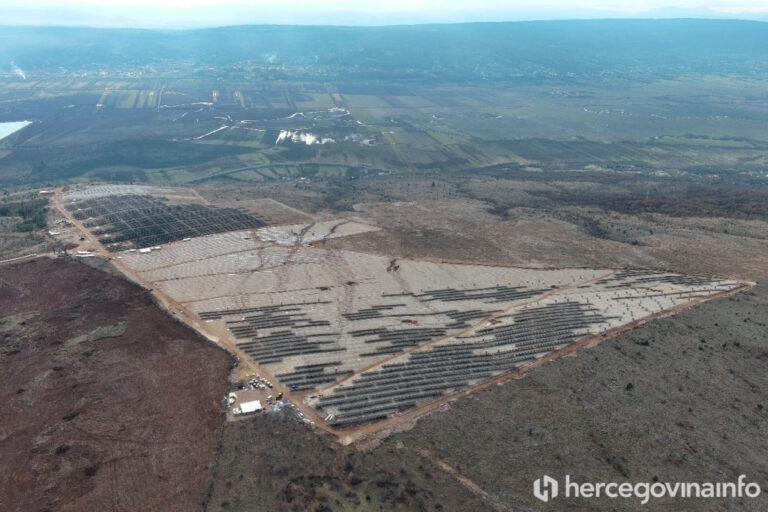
[[545, 488]]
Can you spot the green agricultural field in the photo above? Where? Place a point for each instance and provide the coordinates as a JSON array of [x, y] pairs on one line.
[[366, 101], [127, 99]]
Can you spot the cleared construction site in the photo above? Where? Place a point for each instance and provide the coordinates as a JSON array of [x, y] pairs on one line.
[[358, 338]]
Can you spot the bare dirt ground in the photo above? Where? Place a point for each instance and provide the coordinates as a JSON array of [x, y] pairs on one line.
[[496, 220], [267, 208], [109, 404], [465, 230]]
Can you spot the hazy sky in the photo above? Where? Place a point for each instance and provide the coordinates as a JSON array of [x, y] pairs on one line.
[[178, 13]]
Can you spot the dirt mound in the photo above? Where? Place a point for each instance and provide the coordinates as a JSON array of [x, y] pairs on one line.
[[108, 404]]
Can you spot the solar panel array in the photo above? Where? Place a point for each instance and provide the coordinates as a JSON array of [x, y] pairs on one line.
[[132, 221]]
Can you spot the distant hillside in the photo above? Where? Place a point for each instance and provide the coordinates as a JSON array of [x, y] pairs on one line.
[[464, 52]]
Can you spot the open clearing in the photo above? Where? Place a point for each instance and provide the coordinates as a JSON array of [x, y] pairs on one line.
[[355, 338]]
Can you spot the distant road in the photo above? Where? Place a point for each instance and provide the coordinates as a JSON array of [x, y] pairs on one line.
[[264, 166]]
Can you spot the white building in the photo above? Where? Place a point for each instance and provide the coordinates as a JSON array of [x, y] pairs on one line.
[[249, 407]]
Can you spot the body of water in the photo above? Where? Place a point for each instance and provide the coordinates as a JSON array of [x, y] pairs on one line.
[[8, 128]]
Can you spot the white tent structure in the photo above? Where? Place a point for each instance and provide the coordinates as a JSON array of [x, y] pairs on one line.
[[249, 407]]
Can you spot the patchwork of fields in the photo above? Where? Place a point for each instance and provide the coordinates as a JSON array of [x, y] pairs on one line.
[[165, 129]]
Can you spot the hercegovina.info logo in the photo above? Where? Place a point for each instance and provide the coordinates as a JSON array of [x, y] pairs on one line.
[[547, 488]]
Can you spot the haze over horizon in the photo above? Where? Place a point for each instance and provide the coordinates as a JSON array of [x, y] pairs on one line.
[[201, 13]]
